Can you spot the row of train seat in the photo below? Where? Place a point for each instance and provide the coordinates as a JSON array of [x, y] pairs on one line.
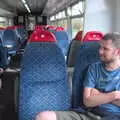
[[61, 35], [76, 43], [43, 79], [44, 83], [87, 53], [11, 40]]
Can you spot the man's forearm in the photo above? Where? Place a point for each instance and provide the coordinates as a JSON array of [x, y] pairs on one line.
[[98, 99]]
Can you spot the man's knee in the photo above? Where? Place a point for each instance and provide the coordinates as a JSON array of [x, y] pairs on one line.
[[46, 115]]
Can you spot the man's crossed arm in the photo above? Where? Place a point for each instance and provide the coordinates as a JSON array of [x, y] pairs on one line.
[[93, 97]]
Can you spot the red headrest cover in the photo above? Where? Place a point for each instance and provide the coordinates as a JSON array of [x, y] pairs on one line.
[[43, 26], [2, 28], [93, 36], [38, 28], [42, 36], [11, 27], [51, 27], [79, 36], [19, 26], [60, 29]]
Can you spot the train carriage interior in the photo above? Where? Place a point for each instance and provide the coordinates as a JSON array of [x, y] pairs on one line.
[[45, 48]]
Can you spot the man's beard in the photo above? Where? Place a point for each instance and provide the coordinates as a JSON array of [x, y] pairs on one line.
[[106, 62]]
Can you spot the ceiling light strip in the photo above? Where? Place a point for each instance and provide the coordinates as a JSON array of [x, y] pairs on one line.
[[28, 9], [26, 6]]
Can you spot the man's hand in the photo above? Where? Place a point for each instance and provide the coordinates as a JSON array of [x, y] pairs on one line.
[[116, 95], [93, 97]]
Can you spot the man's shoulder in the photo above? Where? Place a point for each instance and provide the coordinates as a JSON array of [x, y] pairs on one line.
[[96, 64]]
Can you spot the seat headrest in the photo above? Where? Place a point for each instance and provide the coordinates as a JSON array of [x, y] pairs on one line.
[[60, 29], [93, 36], [42, 36], [38, 28], [2, 28], [51, 27], [79, 36], [43, 26], [19, 26], [11, 27]]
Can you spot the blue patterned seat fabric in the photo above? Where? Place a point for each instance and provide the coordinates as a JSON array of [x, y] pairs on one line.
[[10, 41], [87, 54], [1, 34], [43, 80], [3, 56], [62, 40], [3, 52]]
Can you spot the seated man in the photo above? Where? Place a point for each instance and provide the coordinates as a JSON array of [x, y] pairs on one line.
[[102, 84]]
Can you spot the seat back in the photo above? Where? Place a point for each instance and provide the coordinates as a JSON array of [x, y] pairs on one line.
[[43, 78], [87, 54], [3, 51], [21, 33], [1, 34], [62, 40], [72, 52], [79, 36], [10, 40], [73, 48], [3, 56]]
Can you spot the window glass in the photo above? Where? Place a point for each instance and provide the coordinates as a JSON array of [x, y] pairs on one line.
[[62, 23], [52, 18], [78, 8], [3, 22], [77, 25], [69, 11]]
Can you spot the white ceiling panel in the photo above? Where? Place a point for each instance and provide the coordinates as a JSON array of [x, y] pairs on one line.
[[46, 7]]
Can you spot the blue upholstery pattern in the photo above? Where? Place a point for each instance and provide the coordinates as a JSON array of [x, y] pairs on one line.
[[87, 54], [21, 34], [3, 57], [63, 40], [10, 41], [3, 52], [1, 34], [43, 80]]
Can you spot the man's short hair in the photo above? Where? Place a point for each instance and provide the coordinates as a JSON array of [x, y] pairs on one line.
[[115, 37]]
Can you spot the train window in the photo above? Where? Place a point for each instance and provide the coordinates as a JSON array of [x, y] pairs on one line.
[[3, 22], [52, 18], [77, 25], [57, 16], [69, 11], [10, 22], [78, 9], [63, 14], [62, 23]]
